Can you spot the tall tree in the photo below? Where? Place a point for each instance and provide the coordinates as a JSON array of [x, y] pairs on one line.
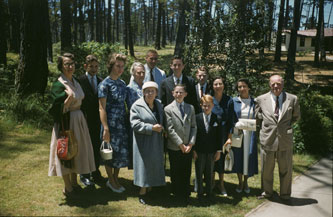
[[128, 28], [164, 33], [290, 70], [91, 15], [146, 22], [277, 57], [66, 36], [55, 26], [270, 22], [116, 19], [81, 22], [109, 23], [75, 21], [3, 30], [182, 29], [33, 70], [206, 33], [320, 40], [286, 16], [15, 19], [158, 26]]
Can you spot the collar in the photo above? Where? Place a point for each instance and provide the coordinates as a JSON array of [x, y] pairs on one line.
[[175, 79], [178, 104], [89, 76]]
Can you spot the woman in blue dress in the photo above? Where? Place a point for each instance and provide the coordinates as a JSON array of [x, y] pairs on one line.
[[112, 95], [224, 110], [246, 157]]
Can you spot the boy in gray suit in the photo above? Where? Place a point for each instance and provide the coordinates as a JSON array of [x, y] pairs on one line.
[[182, 129]]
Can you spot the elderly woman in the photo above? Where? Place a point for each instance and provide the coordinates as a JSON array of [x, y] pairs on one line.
[[246, 157], [224, 110], [112, 94], [147, 123], [67, 96]]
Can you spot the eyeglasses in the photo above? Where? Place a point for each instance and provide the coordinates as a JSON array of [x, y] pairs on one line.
[[149, 92], [69, 64]]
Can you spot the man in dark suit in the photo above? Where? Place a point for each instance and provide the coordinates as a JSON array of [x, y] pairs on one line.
[[168, 84], [276, 112], [90, 107], [201, 88]]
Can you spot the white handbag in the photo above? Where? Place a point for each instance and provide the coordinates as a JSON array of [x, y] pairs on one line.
[[106, 151], [237, 138], [229, 161]]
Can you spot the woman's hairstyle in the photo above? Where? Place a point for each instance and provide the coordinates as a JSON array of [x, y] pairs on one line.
[[90, 58], [134, 66], [206, 98], [245, 80], [113, 58], [60, 60], [212, 83]]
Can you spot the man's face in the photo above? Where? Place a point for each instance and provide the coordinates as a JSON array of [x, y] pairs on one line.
[[179, 94], [177, 67], [207, 107], [91, 68], [201, 77], [276, 84], [151, 60]]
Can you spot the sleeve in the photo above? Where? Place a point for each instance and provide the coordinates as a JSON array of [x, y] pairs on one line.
[[138, 125], [162, 94], [102, 90], [58, 96], [296, 111], [258, 114], [193, 133]]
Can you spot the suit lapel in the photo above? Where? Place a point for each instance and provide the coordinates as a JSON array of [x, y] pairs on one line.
[[268, 105], [285, 104], [176, 111], [198, 92], [171, 83]]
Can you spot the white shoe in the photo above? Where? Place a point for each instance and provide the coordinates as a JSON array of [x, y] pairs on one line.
[[108, 184], [247, 190], [239, 190], [122, 188]]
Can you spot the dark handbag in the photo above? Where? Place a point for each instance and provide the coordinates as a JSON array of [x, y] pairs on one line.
[[66, 144]]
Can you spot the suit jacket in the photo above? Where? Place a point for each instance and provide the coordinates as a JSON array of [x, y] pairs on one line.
[[211, 141], [197, 92], [167, 86], [277, 134], [180, 130]]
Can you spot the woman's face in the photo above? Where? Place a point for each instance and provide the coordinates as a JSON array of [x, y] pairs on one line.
[[139, 74], [218, 86], [68, 66], [118, 68], [150, 94], [243, 90]]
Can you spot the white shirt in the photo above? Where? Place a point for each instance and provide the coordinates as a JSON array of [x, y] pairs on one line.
[[274, 102], [207, 120], [93, 78], [203, 89], [175, 79]]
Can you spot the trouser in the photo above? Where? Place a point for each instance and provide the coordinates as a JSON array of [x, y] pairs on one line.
[[284, 160], [180, 172], [204, 165]]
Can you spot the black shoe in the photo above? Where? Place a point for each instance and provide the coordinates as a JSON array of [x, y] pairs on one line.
[[142, 199], [99, 179], [86, 182]]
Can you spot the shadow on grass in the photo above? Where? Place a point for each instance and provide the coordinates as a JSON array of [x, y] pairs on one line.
[[293, 201]]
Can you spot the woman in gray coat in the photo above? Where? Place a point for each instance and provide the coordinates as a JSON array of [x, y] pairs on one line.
[[147, 123]]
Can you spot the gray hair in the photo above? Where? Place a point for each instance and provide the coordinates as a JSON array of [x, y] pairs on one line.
[[134, 66]]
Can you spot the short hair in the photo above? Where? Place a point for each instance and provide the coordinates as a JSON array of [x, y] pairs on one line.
[[212, 83], [152, 51], [245, 80], [60, 60], [206, 98], [113, 58], [177, 58], [90, 58], [134, 66], [202, 68], [269, 81], [180, 85]]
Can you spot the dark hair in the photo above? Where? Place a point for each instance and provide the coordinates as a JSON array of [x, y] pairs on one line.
[[180, 85], [212, 81], [245, 80], [152, 51], [202, 68], [112, 60], [60, 60], [177, 58], [90, 58]]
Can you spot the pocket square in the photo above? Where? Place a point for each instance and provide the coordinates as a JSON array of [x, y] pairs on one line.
[[215, 124]]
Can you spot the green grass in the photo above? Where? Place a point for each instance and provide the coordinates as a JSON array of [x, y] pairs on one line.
[[26, 189]]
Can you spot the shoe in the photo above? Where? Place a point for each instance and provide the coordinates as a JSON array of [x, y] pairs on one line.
[[99, 179], [224, 193], [142, 199], [264, 196], [108, 184], [76, 187], [68, 194], [86, 182], [238, 190], [246, 190]]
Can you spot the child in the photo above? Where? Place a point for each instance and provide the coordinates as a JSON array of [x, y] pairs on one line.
[[181, 128], [208, 146]]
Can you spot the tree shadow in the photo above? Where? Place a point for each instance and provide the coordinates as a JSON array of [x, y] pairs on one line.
[[293, 201]]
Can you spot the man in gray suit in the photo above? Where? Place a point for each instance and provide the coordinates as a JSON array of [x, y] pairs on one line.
[[276, 111], [182, 129]]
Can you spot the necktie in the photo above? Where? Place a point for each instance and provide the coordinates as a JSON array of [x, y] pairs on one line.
[[151, 75], [207, 123], [201, 91], [276, 111], [93, 84], [178, 81], [181, 110]]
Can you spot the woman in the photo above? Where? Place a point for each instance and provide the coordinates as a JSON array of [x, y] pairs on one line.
[[67, 97], [134, 89], [112, 94], [147, 124], [224, 110], [246, 157]]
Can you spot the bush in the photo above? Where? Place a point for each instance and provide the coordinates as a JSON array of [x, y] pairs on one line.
[[313, 133]]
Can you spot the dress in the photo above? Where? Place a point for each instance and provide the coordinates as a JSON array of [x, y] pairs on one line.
[[246, 157], [224, 110], [83, 162], [148, 149], [116, 94]]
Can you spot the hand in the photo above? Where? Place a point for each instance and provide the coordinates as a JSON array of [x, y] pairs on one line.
[[217, 156], [195, 155], [106, 135], [188, 148], [157, 128], [182, 148], [228, 142]]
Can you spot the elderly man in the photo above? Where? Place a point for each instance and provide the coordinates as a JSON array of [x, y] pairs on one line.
[[276, 111]]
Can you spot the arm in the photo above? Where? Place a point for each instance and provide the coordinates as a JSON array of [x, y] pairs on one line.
[[172, 135], [258, 114], [137, 123], [103, 117], [162, 94], [296, 112], [59, 96], [193, 132]]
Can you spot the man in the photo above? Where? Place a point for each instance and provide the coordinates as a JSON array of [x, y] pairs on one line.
[[168, 84], [90, 107], [182, 129], [276, 111], [201, 88], [153, 73]]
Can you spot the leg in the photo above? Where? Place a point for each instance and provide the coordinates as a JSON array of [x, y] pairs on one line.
[[208, 172], [240, 182], [285, 162], [267, 171], [174, 159], [67, 182], [116, 175], [199, 168], [73, 179], [111, 180], [186, 174]]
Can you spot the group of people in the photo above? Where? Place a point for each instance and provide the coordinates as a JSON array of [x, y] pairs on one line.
[[155, 114]]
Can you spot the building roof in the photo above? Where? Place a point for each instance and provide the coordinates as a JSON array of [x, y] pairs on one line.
[[328, 32]]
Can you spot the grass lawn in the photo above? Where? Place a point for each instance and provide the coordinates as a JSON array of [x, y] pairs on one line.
[[25, 188]]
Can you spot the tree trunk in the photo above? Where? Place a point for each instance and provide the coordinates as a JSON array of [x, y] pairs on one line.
[[286, 16], [92, 20], [206, 30], [153, 18], [290, 71], [98, 20], [3, 35], [49, 36], [145, 18], [109, 21], [116, 18], [182, 29], [32, 71], [277, 57], [81, 22], [128, 28], [270, 22], [55, 27], [75, 23], [163, 26], [313, 20], [320, 40], [66, 37], [15, 19], [158, 26]]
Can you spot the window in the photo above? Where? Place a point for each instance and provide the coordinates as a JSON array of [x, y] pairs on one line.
[[313, 42], [302, 41], [283, 39]]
